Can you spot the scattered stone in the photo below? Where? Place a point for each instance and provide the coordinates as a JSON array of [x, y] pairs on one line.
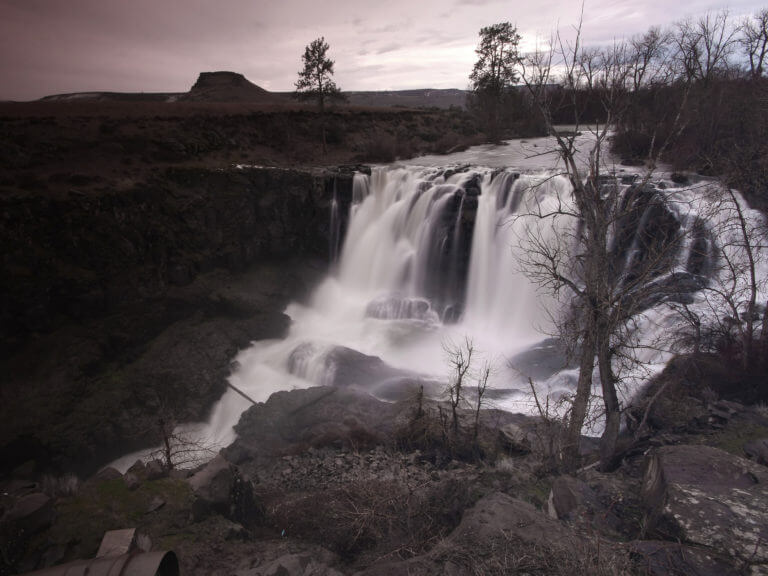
[[131, 480], [117, 543], [155, 504], [143, 542]]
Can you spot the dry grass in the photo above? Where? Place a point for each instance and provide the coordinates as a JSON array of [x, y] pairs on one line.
[[506, 555], [373, 521]]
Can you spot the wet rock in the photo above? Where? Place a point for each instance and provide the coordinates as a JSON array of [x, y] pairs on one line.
[[407, 389], [542, 360], [341, 366], [395, 307], [708, 497]]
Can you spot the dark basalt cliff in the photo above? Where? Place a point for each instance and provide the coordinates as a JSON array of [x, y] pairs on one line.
[[119, 304]]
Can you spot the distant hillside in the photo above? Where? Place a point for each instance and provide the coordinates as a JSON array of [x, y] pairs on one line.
[[225, 86], [115, 97], [423, 98]]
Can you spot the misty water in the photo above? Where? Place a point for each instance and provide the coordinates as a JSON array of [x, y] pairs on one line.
[[412, 277]]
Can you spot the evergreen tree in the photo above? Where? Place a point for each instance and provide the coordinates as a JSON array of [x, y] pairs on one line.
[[315, 82], [494, 73]]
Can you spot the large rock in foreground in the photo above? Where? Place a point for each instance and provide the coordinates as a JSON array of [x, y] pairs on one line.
[[292, 421], [704, 496]]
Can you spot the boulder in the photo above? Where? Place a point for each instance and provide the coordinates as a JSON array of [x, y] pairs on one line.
[[707, 497], [591, 506], [342, 366], [292, 421], [515, 439], [29, 515], [211, 487], [132, 481], [757, 450], [567, 495], [107, 473], [138, 469], [219, 488], [155, 470]]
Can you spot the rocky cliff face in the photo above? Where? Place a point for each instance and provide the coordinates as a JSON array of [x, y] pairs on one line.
[[118, 303]]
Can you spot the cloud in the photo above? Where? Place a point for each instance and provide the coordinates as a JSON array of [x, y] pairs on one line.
[[389, 48], [47, 46]]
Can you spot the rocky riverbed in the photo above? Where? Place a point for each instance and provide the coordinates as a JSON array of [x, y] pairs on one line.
[[322, 501]]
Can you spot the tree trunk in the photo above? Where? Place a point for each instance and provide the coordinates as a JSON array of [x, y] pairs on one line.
[[571, 452], [611, 401]]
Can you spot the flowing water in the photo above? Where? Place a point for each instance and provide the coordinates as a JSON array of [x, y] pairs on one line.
[[433, 256]]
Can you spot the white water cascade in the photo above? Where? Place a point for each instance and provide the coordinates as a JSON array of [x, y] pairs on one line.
[[431, 255]]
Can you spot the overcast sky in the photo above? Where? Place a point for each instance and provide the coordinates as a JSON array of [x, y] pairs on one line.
[[58, 46]]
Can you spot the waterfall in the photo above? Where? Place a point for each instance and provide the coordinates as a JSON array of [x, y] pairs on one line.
[[334, 236], [433, 255]]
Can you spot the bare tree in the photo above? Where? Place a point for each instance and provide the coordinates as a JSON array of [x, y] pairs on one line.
[[754, 41], [460, 361], [608, 276], [482, 386], [703, 47], [736, 283], [178, 448], [649, 58]]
